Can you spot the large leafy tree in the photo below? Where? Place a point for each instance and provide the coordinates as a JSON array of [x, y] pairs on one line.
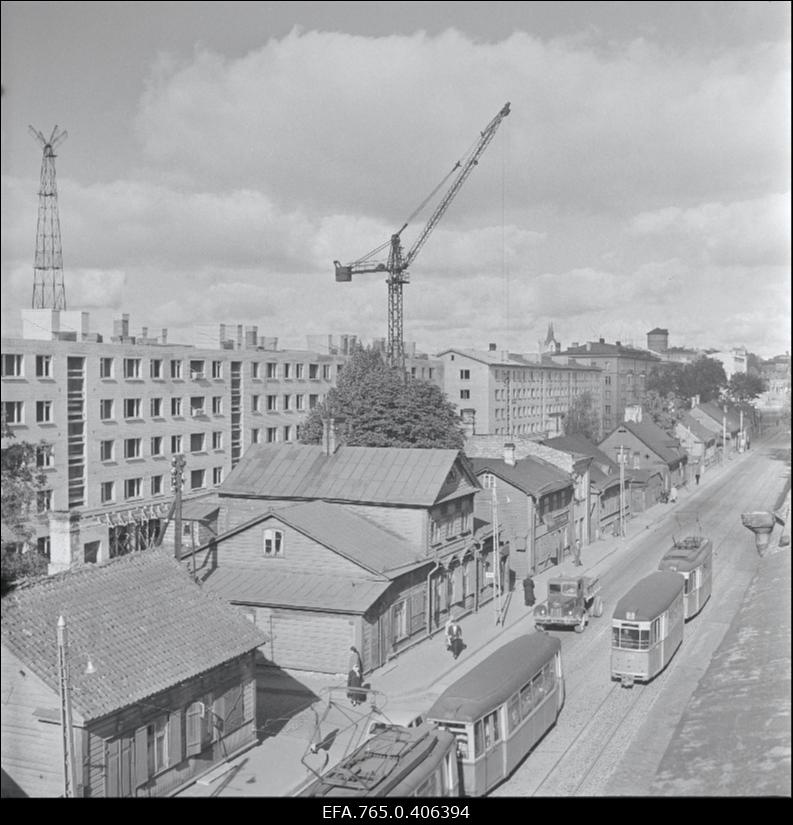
[[384, 408], [20, 483], [582, 417], [744, 387], [704, 377], [664, 410]]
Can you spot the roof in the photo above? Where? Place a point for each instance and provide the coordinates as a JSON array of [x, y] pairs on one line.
[[686, 554], [307, 591], [658, 330], [142, 621], [595, 348], [200, 509], [665, 446], [494, 358], [351, 535], [649, 597], [642, 475], [495, 678], [697, 429], [603, 471], [378, 475], [531, 475], [716, 412]]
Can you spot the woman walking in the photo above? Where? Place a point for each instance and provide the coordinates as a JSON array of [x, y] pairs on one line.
[[354, 677]]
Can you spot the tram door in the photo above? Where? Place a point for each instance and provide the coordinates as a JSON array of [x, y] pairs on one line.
[[493, 733]]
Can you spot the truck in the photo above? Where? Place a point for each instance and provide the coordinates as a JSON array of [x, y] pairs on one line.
[[572, 599]]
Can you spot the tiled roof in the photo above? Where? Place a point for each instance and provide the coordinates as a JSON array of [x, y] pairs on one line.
[[666, 447], [580, 445], [142, 621], [377, 475], [353, 536], [492, 446], [531, 475], [289, 590]]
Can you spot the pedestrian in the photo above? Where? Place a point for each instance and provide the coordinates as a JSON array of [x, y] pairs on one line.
[[697, 471], [577, 551], [454, 637], [673, 494], [354, 677], [528, 591]]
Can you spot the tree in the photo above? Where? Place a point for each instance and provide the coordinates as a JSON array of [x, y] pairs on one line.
[[20, 484], [704, 377], [743, 387], [582, 417], [664, 410], [384, 408]]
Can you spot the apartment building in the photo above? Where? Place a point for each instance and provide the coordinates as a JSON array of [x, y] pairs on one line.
[[624, 371], [110, 416], [512, 394]]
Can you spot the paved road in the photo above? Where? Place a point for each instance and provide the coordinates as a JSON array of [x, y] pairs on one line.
[[735, 658]]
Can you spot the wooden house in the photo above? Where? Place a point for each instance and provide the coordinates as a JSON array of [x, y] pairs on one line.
[[644, 445], [159, 677]]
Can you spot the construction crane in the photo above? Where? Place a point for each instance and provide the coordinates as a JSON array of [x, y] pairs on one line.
[[398, 262]]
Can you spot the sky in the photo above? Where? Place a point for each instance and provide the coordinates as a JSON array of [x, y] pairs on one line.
[[221, 156]]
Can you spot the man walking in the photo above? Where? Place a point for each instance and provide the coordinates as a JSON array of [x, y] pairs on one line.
[[577, 551], [528, 591]]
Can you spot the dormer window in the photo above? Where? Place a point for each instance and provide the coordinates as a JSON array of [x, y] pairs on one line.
[[273, 543]]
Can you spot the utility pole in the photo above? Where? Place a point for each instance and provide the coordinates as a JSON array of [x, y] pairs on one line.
[[496, 556], [69, 782], [177, 481], [622, 491], [724, 432], [741, 440]]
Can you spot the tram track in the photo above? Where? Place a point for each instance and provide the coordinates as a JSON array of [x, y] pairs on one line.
[[599, 723]]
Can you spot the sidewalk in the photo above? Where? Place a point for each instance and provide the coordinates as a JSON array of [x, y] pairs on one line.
[[413, 679]]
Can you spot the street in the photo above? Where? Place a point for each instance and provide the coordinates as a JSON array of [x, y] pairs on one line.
[[608, 739]]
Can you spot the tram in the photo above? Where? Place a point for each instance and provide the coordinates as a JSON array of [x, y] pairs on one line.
[[501, 708], [647, 627], [396, 761], [692, 557]]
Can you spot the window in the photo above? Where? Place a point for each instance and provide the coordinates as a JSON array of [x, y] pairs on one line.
[[217, 405], [43, 366], [43, 501], [155, 368], [106, 367], [256, 435], [44, 456], [313, 371], [44, 412], [313, 400], [156, 485], [300, 402], [217, 440], [176, 407], [197, 370], [156, 407], [465, 375], [326, 372], [254, 369], [217, 475], [13, 412], [132, 487], [272, 434], [298, 370], [197, 405], [156, 445], [107, 491], [131, 448], [43, 546], [272, 369], [132, 408], [107, 450], [217, 369], [255, 401], [272, 403], [287, 370], [12, 366], [287, 402], [465, 394], [132, 368], [513, 712], [176, 444], [157, 745], [287, 433], [526, 701], [106, 409], [176, 369], [197, 479], [197, 442], [273, 543]]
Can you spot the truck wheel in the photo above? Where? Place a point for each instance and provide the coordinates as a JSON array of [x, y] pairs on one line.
[[579, 628], [597, 607]]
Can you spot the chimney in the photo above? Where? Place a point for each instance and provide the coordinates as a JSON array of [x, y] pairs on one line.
[[330, 435], [619, 343], [491, 347], [144, 332], [574, 344], [509, 454], [164, 335], [468, 417], [558, 347], [601, 340]]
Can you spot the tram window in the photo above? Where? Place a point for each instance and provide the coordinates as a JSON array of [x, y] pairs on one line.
[[688, 585], [630, 638], [513, 712], [478, 739], [539, 687], [492, 732], [526, 703], [654, 631], [550, 677]]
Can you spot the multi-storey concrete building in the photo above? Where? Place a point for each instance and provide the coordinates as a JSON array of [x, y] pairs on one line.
[[624, 371], [111, 415], [511, 394]]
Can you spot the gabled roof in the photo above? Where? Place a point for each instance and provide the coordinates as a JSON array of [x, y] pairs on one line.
[[531, 475], [666, 447], [306, 591], [597, 348], [700, 432], [369, 545], [513, 359], [603, 472], [375, 475], [142, 621], [716, 412]]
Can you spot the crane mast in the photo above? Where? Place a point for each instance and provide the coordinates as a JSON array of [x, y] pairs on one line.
[[398, 262]]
